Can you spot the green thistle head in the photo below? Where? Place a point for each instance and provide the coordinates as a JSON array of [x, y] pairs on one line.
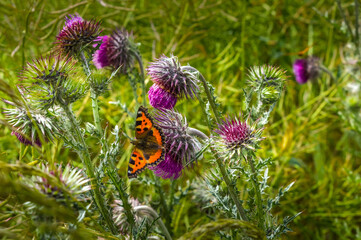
[[266, 76], [27, 125], [52, 80]]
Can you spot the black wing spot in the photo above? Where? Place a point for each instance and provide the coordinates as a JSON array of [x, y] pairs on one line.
[[146, 129], [133, 155], [140, 158], [139, 130], [138, 122], [131, 161]]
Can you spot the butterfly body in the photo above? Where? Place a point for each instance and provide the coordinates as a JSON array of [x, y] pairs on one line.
[[148, 144]]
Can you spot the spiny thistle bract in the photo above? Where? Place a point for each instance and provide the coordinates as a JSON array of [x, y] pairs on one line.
[[77, 35], [171, 82], [266, 76], [180, 146], [25, 131], [117, 50], [73, 184], [51, 80], [236, 136], [306, 69]]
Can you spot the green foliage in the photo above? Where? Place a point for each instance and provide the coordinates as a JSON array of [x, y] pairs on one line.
[[312, 134]]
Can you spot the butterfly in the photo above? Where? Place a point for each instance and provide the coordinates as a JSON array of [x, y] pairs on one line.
[[149, 141]]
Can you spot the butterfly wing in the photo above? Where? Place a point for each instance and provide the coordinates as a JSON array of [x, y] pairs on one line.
[[156, 155], [149, 145], [143, 123], [137, 163]]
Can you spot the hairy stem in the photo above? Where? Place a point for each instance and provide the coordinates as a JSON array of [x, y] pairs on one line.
[[260, 215], [163, 202], [208, 92], [140, 62], [150, 211], [326, 70], [197, 133], [117, 182], [85, 157], [231, 189], [95, 106]]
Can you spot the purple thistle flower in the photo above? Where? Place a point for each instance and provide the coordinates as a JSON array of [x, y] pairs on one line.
[[70, 20], [25, 140], [306, 69], [180, 145], [237, 135], [76, 34], [160, 98], [175, 80], [116, 50], [100, 57]]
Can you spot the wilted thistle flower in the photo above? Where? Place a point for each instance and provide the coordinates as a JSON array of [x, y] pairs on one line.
[[120, 217], [52, 80], [306, 69], [25, 131], [171, 82], [72, 182], [77, 35], [237, 135], [180, 146], [116, 50]]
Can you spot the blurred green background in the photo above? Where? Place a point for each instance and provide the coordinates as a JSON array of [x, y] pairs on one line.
[[313, 134]]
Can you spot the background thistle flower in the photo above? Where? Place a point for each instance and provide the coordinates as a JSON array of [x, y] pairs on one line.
[[76, 35], [236, 135], [306, 69], [171, 82], [116, 50], [52, 80], [25, 131], [180, 145]]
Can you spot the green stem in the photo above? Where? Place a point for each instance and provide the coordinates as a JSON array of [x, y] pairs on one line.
[[163, 202], [117, 182], [95, 106], [326, 70], [85, 157], [231, 190], [345, 19], [208, 92], [140, 62], [260, 216]]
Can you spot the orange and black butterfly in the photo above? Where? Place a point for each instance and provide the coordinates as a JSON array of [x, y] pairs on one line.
[[149, 141]]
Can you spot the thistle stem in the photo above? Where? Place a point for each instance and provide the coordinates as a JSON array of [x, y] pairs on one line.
[[150, 211], [117, 182], [197, 133], [85, 157], [95, 106], [326, 70], [140, 62], [258, 195], [208, 93], [231, 190], [164, 203]]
